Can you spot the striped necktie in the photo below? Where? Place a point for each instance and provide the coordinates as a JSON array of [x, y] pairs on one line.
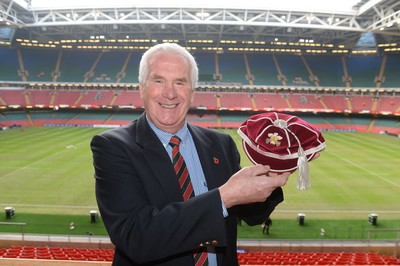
[[200, 256]]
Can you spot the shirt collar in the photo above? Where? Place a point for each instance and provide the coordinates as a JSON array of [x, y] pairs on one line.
[[164, 137]]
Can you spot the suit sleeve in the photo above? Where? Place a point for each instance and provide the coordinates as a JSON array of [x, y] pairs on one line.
[[143, 223], [254, 214]]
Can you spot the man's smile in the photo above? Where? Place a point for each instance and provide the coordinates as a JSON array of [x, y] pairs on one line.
[[169, 106]]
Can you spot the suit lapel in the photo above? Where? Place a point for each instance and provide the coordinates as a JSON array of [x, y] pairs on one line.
[[209, 157], [158, 160]]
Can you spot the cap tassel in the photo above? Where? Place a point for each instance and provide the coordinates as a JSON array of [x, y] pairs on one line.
[[303, 181]]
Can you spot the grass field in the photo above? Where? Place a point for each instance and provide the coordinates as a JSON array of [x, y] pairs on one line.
[[46, 174]]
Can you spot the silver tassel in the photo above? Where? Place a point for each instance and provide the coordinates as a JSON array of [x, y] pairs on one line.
[[303, 180]]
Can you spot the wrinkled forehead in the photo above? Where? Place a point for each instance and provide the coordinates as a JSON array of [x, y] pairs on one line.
[[165, 57]]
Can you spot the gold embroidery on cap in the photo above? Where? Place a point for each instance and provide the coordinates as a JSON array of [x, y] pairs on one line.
[[274, 139]]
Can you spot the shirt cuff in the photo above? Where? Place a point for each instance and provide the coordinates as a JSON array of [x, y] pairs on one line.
[[224, 210]]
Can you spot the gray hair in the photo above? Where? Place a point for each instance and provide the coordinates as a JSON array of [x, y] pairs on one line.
[[167, 48]]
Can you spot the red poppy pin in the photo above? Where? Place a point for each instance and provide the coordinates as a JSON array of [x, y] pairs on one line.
[[216, 160]]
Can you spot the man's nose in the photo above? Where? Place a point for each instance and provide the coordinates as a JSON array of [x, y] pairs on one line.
[[169, 90]]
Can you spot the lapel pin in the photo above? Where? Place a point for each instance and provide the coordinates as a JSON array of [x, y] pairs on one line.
[[216, 160]]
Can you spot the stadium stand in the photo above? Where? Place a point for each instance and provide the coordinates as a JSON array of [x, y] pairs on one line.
[[294, 70], [132, 68], [65, 97], [75, 73], [39, 66], [390, 75], [263, 69], [95, 98], [205, 120], [328, 69], [314, 258], [119, 118], [86, 88], [127, 98], [41, 118], [335, 102], [232, 68], [235, 101], [38, 106], [9, 64], [245, 258], [205, 100], [207, 68], [363, 70], [47, 65], [304, 101], [106, 68], [68, 86], [269, 100], [387, 104]]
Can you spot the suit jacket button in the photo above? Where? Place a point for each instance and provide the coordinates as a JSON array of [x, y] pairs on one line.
[[214, 242], [207, 243]]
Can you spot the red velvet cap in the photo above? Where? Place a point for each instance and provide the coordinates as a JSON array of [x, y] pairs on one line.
[[279, 140]]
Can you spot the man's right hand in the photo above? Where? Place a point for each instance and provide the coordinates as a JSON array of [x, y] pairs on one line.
[[251, 184]]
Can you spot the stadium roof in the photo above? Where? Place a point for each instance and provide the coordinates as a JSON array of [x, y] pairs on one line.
[[310, 5], [336, 22]]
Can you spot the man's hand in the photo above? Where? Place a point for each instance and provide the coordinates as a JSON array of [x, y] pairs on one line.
[[251, 184]]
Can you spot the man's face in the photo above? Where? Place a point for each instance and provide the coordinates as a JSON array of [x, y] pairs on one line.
[[167, 93]]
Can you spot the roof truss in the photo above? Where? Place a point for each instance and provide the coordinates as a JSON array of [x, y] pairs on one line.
[[383, 18]]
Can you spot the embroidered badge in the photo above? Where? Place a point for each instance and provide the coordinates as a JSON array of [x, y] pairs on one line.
[[274, 139]]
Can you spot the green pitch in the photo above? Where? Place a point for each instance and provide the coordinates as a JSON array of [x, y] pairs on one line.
[[358, 173], [48, 171]]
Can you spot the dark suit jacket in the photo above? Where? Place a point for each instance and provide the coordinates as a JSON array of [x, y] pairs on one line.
[[142, 206]]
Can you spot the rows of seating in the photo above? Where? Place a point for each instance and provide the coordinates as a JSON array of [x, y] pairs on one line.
[[207, 100], [57, 253], [245, 258], [315, 258], [209, 120], [49, 65]]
